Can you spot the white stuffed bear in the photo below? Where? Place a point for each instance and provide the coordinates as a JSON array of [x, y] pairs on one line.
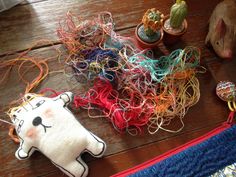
[[45, 124]]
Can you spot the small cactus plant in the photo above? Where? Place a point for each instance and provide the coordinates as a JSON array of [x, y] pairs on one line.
[[178, 13], [152, 21]]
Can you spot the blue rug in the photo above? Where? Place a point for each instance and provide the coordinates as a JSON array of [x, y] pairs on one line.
[[201, 157]]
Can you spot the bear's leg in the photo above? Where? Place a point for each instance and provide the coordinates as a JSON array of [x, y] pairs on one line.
[[96, 146], [76, 168]]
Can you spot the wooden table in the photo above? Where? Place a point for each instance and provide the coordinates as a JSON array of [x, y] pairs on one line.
[[25, 24]]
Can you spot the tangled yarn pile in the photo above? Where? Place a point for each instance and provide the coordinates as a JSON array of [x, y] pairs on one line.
[[130, 86]]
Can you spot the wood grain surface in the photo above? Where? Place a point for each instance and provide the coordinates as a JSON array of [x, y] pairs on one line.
[[35, 21], [22, 26]]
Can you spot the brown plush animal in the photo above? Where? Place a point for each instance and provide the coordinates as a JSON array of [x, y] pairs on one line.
[[222, 29]]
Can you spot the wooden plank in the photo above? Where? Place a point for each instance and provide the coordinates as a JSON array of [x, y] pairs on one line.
[[212, 111], [22, 26], [223, 70]]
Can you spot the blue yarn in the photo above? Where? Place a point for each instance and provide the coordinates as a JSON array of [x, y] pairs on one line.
[[201, 160], [99, 54], [107, 58]]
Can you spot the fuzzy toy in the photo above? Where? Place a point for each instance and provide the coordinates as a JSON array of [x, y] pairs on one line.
[[222, 29], [45, 124]]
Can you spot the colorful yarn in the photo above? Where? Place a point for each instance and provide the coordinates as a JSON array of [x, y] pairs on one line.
[[130, 86], [140, 98], [79, 34], [95, 62]]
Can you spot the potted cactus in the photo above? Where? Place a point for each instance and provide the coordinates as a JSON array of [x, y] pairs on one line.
[[175, 24], [149, 33]]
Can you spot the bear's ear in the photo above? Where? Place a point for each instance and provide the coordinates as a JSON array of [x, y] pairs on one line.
[[14, 118], [28, 96], [13, 114], [66, 97]]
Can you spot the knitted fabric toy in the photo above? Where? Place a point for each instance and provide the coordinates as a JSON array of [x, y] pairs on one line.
[[46, 124]]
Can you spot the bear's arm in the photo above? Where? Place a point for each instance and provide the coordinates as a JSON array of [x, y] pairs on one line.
[[24, 151]]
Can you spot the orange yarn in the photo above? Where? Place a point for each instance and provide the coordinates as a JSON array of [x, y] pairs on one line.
[[184, 74], [20, 63], [12, 135]]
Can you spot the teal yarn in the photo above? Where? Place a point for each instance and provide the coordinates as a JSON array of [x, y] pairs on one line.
[[178, 60]]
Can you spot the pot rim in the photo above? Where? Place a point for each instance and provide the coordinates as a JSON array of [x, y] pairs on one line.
[[147, 43], [175, 34]]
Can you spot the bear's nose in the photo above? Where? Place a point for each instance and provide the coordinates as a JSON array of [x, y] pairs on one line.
[[37, 121]]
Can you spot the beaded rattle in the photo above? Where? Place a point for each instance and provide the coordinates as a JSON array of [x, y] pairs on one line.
[[226, 91]]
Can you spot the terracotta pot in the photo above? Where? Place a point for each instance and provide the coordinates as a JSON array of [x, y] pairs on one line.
[[144, 44], [171, 38]]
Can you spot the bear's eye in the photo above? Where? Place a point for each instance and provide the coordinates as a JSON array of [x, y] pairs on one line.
[[14, 118], [40, 103]]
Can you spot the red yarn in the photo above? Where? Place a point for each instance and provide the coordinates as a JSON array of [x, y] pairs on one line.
[[123, 113]]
